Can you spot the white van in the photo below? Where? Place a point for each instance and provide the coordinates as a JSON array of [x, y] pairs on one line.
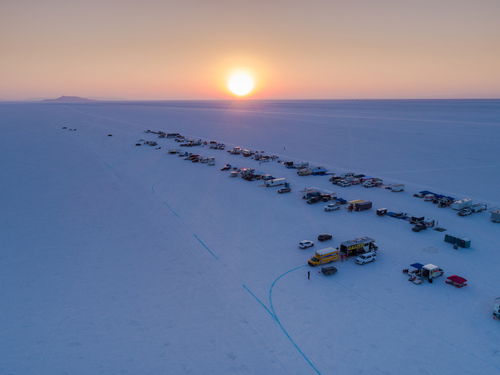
[[366, 258]]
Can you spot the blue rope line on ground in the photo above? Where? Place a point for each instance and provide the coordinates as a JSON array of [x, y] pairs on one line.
[[165, 203], [206, 247], [171, 209], [275, 317], [258, 300]]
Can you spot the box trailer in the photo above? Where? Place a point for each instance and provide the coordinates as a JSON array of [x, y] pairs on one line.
[[319, 171], [275, 182], [457, 241], [359, 205]]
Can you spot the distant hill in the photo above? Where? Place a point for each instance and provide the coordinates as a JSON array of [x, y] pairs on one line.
[[68, 99]]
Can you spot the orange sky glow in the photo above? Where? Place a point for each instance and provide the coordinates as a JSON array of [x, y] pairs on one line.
[[295, 50]]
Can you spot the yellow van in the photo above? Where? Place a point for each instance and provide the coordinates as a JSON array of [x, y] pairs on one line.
[[323, 256]]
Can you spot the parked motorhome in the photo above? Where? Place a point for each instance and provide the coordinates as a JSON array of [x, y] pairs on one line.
[[275, 182]]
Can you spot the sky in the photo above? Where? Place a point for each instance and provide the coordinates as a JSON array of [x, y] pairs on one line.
[[160, 49]]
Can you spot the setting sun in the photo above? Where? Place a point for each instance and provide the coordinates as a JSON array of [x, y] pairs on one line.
[[240, 83]]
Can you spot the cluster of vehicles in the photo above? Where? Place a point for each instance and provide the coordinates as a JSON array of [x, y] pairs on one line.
[[312, 196], [363, 248], [349, 179], [420, 223], [464, 207], [257, 155], [194, 158], [418, 273]]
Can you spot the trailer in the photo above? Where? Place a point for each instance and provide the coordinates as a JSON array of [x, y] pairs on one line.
[[398, 215], [319, 171], [275, 182], [358, 246], [456, 281], [359, 205], [457, 241], [173, 135]]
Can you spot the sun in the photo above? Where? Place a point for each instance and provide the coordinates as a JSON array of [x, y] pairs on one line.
[[241, 83]]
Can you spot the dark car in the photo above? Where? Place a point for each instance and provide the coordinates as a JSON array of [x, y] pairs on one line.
[[284, 190], [328, 270], [324, 237], [419, 227], [326, 197], [314, 199]]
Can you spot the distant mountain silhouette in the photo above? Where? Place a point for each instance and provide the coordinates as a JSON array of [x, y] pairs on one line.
[[68, 99]]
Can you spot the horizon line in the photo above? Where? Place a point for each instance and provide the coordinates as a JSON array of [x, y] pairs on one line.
[[89, 100]]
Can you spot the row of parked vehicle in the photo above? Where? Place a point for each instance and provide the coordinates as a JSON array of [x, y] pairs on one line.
[[195, 158], [420, 223], [364, 249], [464, 207]]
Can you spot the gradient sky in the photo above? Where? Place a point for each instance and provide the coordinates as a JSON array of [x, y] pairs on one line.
[[154, 49]]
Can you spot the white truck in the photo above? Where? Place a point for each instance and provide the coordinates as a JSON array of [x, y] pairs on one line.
[[397, 188], [461, 203], [476, 207], [275, 182]]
